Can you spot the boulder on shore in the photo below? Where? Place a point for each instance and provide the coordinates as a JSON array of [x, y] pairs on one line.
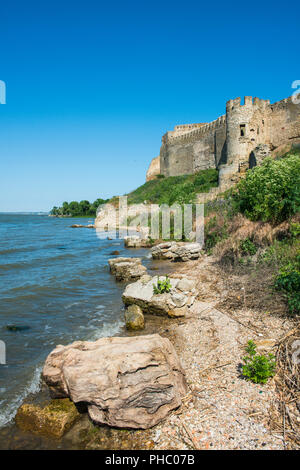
[[51, 421], [126, 269], [134, 241], [126, 382], [173, 304], [134, 318], [176, 251], [115, 253], [82, 226]]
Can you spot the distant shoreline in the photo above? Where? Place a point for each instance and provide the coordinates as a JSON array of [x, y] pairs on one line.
[[72, 216]]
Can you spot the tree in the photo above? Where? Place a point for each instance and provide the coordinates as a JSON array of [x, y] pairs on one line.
[[84, 207]]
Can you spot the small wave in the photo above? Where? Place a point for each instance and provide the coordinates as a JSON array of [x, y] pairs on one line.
[[35, 292], [36, 262], [7, 267], [71, 305], [11, 408], [17, 250], [107, 329]]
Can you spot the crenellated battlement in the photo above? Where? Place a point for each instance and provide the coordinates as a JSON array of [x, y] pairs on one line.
[[282, 104], [249, 102], [193, 133], [184, 127], [253, 128]]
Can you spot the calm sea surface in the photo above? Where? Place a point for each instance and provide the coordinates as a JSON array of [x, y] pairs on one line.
[[56, 287]]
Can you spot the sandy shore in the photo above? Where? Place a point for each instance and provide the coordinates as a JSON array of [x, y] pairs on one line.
[[221, 410]]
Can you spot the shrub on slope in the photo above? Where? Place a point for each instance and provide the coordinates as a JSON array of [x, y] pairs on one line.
[[270, 192]]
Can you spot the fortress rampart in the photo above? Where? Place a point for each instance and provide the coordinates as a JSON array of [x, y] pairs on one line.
[[234, 142]]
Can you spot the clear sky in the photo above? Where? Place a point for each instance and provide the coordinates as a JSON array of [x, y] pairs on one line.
[[92, 86]]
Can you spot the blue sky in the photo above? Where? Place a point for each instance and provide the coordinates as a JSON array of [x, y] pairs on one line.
[[92, 86]]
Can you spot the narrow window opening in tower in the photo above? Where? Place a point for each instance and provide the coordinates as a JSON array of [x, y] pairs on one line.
[[258, 131], [242, 130]]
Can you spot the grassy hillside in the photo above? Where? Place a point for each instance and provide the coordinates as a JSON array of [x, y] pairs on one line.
[[255, 230], [180, 189]]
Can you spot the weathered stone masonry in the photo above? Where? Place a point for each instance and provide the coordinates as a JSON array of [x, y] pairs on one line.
[[234, 142]]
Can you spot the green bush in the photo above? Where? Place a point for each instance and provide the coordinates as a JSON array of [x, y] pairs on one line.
[[270, 192], [295, 230], [162, 287], [288, 281], [247, 247], [258, 367]]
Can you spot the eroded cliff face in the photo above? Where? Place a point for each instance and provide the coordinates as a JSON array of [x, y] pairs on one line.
[[154, 169]]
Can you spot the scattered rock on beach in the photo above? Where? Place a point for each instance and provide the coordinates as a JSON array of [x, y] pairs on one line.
[[126, 382], [82, 226], [51, 421], [126, 269], [174, 303], [134, 241], [134, 318], [176, 251], [17, 327]]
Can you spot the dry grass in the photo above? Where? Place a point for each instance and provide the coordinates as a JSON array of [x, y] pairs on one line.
[[249, 279], [262, 234], [285, 413], [251, 287]]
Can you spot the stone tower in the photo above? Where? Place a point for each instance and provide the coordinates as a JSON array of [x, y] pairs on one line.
[[247, 127], [232, 143]]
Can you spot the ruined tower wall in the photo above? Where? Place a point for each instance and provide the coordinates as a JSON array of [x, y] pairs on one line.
[[195, 149], [284, 119], [247, 127], [234, 142]]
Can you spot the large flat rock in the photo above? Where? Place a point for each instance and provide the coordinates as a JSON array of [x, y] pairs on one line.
[[174, 303], [126, 269], [134, 241], [176, 251]]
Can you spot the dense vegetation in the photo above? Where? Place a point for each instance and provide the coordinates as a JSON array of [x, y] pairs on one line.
[[271, 192], [257, 224], [174, 189], [78, 209]]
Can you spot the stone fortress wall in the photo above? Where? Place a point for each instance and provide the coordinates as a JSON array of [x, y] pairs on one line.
[[234, 142]]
